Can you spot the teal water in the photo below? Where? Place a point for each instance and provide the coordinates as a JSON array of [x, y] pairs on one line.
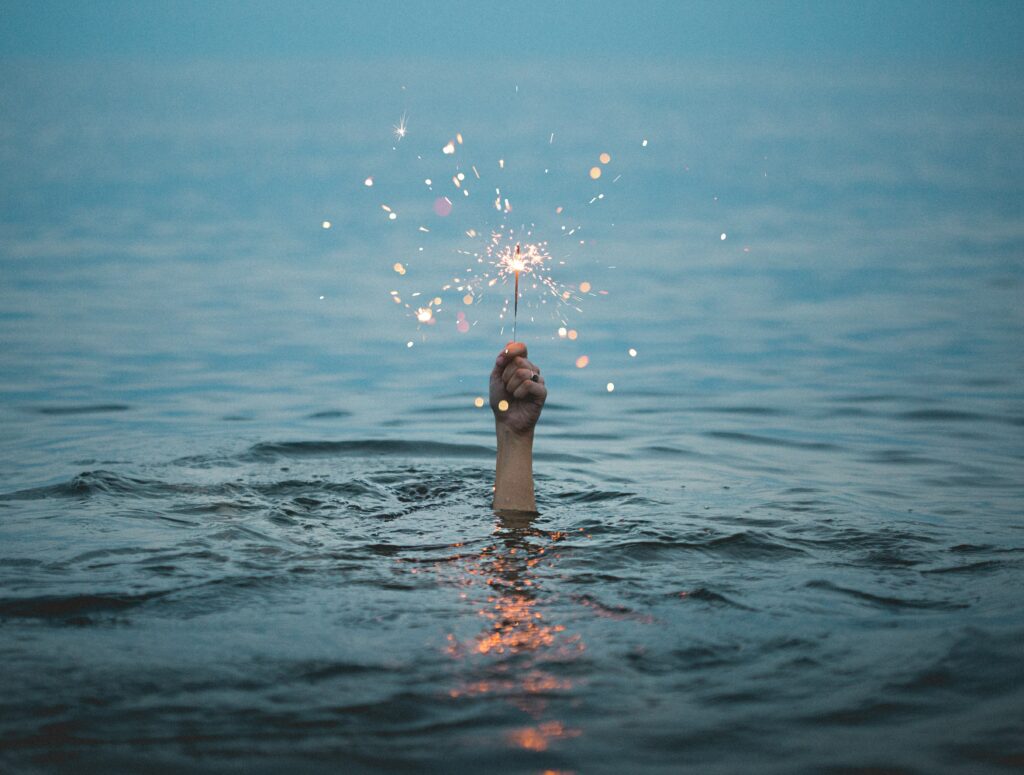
[[246, 527]]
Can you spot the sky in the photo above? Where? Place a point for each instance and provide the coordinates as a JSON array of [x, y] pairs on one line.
[[916, 30]]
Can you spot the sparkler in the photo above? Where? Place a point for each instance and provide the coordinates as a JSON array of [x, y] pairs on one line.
[[508, 253]]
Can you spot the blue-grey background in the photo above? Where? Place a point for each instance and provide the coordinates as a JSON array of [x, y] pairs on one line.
[[243, 524]]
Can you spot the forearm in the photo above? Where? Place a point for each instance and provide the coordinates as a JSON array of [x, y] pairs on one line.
[[513, 474]]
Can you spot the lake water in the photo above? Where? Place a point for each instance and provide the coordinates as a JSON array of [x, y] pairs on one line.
[[244, 527]]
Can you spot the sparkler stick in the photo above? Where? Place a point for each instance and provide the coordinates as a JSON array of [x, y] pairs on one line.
[[515, 308]]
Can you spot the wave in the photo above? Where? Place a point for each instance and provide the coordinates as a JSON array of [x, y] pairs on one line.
[[273, 450], [770, 441], [81, 409], [71, 606], [887, 602]]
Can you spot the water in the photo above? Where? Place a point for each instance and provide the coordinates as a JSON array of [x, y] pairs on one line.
[[247, 528]]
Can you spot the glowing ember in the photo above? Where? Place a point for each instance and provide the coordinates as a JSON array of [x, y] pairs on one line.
[[584, 287], [467, 299], [368, 182], [503, 405], [424, 314], [632, 352], [562, 332], [573, 333], [611, 387], [399, 268], [582, 361], [723, 236], [595, 172], [605, 158], [449, 149], [478, 402], [400, 130], [325, 225]]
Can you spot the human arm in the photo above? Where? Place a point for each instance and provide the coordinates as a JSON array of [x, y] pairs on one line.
[[517, 394]]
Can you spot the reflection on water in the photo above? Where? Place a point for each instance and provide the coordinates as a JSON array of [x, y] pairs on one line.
[[521, 645]]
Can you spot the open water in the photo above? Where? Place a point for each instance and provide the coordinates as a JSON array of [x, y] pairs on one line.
[[246, 528]]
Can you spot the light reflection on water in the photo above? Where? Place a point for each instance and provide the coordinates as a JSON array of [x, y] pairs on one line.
[[520, 642]]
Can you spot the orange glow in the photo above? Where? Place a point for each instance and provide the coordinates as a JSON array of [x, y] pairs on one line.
[[503, 405], [573, 334], [595, 172], [582, 361], [584, 287], [478, 402], [399, 268], [467, 299], [605, 158], [424, 315]]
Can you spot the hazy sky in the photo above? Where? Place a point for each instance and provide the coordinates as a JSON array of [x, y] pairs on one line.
[[918, 30]]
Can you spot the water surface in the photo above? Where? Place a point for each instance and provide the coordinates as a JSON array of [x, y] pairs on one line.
[[244, 527]]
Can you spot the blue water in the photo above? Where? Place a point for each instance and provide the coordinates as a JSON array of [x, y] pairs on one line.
[[244, 527]]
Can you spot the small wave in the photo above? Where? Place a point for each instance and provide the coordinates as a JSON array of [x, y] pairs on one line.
[[743, 545], [660, 450], [329, 414], [753, 411], [972, 567], [900, 457], [81, 409], [883, 601], [941, 415], [594, 496], [274, 450], [70, 606], [705, 595], [88, 483], [770, 441]]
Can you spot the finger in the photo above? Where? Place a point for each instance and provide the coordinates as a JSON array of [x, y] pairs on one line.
[[510, 368], [512, 349], [518, 378], [534, 390]]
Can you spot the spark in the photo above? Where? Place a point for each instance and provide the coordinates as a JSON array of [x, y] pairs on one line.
[[610, 387], [325, 225], [400, 129]]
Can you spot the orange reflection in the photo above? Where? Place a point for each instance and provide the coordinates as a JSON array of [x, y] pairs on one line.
[[519, 641]]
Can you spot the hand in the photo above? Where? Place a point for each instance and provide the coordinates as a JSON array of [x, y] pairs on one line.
[[512, 381]]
